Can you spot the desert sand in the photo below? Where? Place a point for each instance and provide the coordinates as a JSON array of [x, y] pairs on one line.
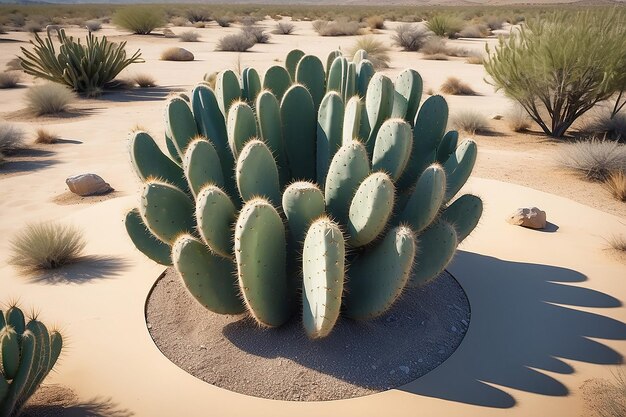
[[547, 307]]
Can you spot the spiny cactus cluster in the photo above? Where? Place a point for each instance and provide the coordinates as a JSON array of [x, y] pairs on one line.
[[325, 188], [28, 353]]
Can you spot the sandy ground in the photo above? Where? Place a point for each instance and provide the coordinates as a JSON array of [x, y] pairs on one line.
[[547, 308]]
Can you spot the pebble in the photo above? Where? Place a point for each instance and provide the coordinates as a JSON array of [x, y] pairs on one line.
[[420, 360], [441, 351], [373, 366], [404, 369], [453, 328], [464, 322]]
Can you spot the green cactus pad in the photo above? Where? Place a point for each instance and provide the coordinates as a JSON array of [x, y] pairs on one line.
[[149, 162], [463, 214], [349, 167], [261, 264], [256, 173], [166, 210], [56, 344], [143, 240], [303, 202], [370, 209], [4, 388], [349, 87], [352, 120], [202, 165], [215, 214], [227, 90], [437, 246], [426, 199], [9, 352], [377, 277], [15, 318], [329, 62], [298, 115], [447, 146], [277, 80], [271, 129], [393, 147], [291, 62], [251, 84], [336, 74], [310, 73], [241, 126], [171, 149], [209, 278], [323, 260], [364, 73], [181, 124], [379, 103], [459, 166], [329, 131], [359, 56], [26, 368], [407, 96]]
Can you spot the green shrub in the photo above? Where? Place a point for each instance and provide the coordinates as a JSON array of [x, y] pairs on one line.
[[49, 98], [377, 51], [85, 68], [562, 66], [139, 19], [442, 25], [46, 246], [198, 15], [410, 37]]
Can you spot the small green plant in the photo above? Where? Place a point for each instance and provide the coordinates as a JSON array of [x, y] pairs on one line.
[[11, 138], [455, 86], [48, 98], [28, 353], [141, 20], [594, 159], [237, 42], [10, 79], [410, 37], [377, 51], [85, 68], [470, 121], [443, 25]]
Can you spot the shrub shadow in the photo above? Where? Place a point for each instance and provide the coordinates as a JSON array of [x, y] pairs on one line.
[[96, 407], [524, 320], [84, 269], [139, 94]]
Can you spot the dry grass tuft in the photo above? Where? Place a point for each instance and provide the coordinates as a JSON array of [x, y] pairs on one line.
[[49, 98], [339, 27], [93, 25], [284, 28], [10, 79], [594, 159], [33, 27], [144, 80], [189, 36], [618, 242], [616, 184], [518, 119], [377, 51], [456, 87], [471, 122], [436, 57], [11, 138], [601, 125], [46, 137], [46, 246], [475, 59], [434, 45], [410, 37], [375, 22], [257, 33], [238, 42], [607, 397]]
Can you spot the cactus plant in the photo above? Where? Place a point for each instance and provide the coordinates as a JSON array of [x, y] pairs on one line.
[[28, 352], [325, 213]]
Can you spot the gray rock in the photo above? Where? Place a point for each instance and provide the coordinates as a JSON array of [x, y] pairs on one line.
[[531, 217], [88, 184], [183, 55], [404, 369]]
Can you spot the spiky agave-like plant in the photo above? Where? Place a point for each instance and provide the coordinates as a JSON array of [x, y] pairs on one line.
[[265, 203]]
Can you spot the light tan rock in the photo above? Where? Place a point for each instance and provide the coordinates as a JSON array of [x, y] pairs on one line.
[[531, 217], [88, 184]]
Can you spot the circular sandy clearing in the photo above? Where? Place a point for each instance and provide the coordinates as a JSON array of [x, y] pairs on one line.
[[359, 358]]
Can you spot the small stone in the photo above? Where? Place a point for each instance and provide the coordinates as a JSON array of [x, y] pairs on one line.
[[441, 352], [531, 217], [149, 326], [404, 369], [392, 372], [183, 55], [496, 116], [420, 360], [464, 322], [373, 366], [453, 329], [88, 184], [202, 347]]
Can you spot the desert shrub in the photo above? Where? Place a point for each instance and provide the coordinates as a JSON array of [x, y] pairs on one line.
[[2, 159], [436, 57], [594, 159], [238, 42], [49, 98], [72, 66], [15, 64], [442, 25], [179, 21], [11, 138], [618, 242], [608, 397], [377, 51], [375, 22], [17, 19], [616, 184], [604, 125], [211, 79], [199, 25], [494, 22], [144, 80], [3, 29], [434, 45], [456, 87], [139, 19], [410, 37], [189, 36], [340, 27], [475, 58], [176, 54], [284, 28], [517, 119], [33, 27], [198, 15], [257, 33], [93, 25], [224, 21], [249, 20], [10, 79], [561, 66], [471, 122], [46, 246], [474, 31], [45, 137]]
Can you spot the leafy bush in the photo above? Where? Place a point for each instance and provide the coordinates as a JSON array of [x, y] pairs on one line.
[[45, 137], [139, 19], [562, 66], [10, 79], [284, 28], [238, 42], [93, 25], [11, 138], [517, 119], [410, 37], [616, 183], [257, 33], [377, 51], [594, 159], [189, 36], [456, 87], [340, 27], [144, 80], [46, 246], [375, 22], [85, 68], [442, 25], [49, 98], [471, 122]]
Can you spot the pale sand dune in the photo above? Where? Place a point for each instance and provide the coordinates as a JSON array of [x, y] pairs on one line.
[[516, 324]]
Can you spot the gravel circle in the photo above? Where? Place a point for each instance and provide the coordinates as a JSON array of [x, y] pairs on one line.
[[358, 358]]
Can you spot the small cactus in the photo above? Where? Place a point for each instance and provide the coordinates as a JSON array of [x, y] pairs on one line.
[[329, 189]]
